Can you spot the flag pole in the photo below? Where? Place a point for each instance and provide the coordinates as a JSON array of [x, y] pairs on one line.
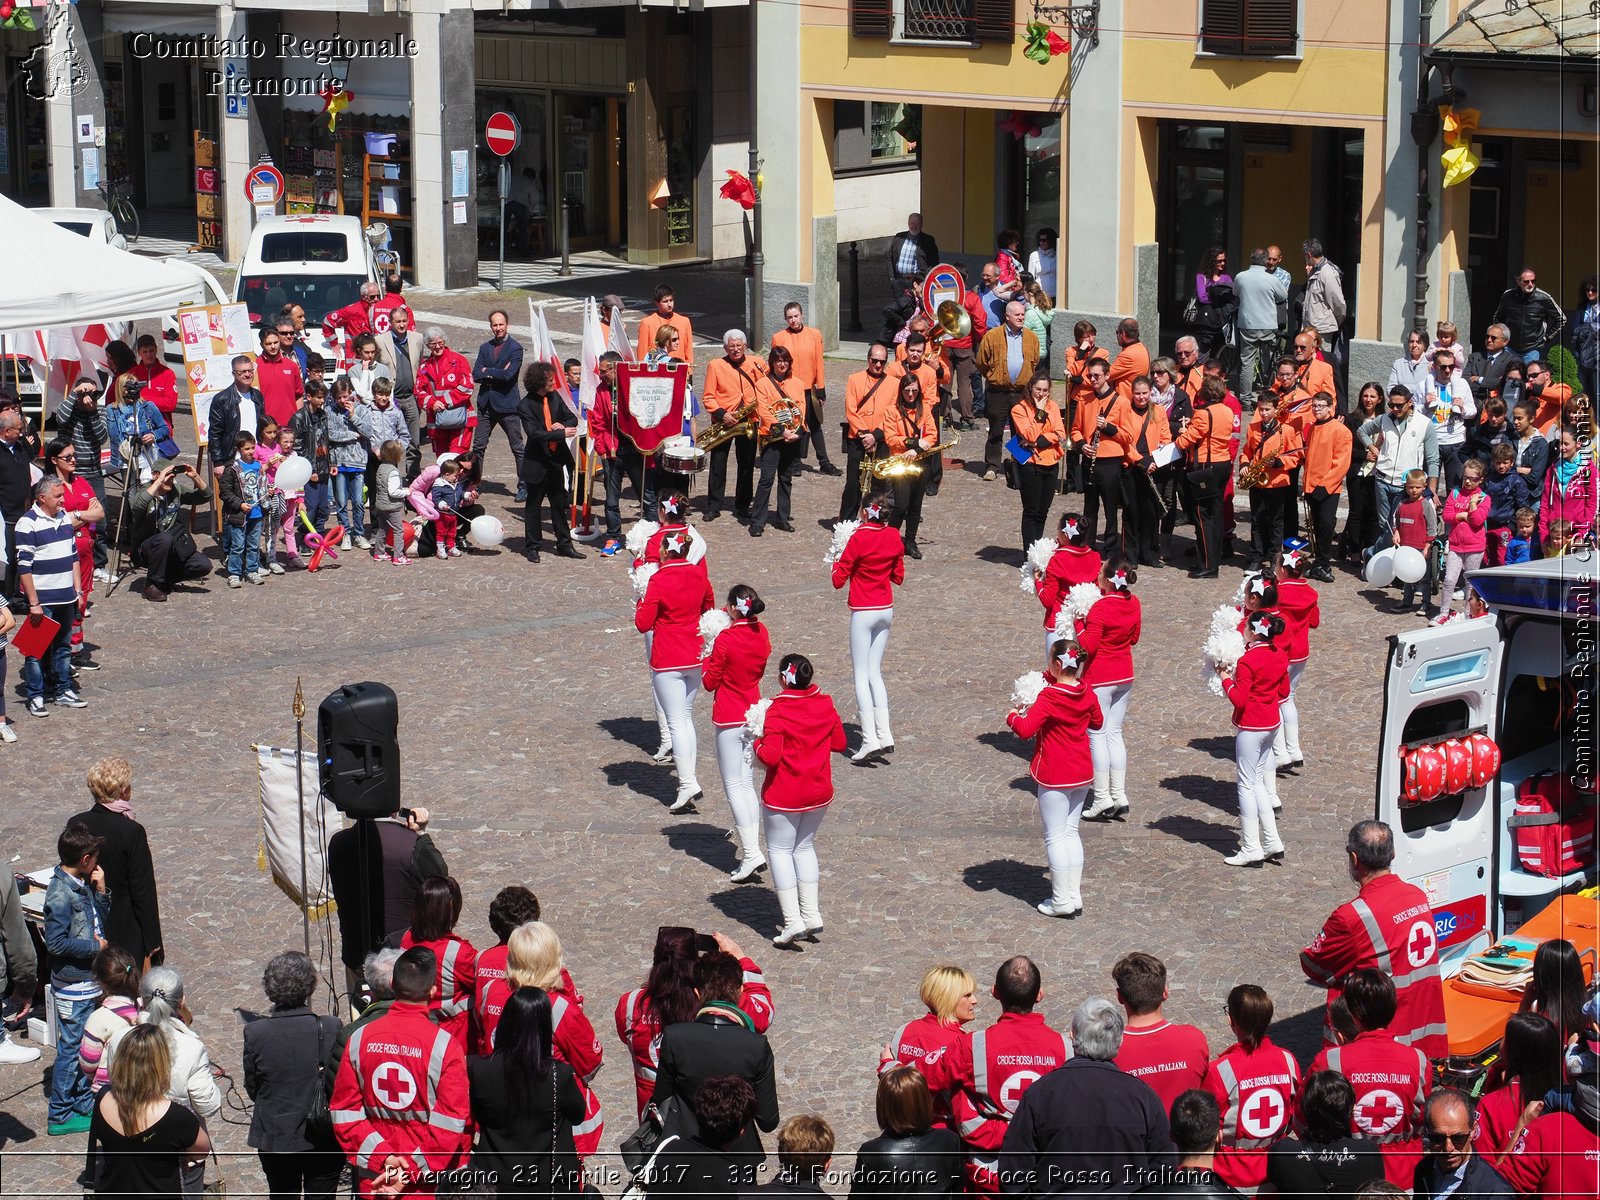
[[299, 709]]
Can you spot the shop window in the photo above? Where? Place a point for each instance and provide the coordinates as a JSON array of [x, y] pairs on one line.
[[872, 136], [1250, 28]]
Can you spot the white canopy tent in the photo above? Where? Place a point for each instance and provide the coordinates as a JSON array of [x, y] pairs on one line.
[[55, 278]]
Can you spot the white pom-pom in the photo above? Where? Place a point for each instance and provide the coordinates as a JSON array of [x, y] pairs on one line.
[[640, 577], [1224, 645], [639, 536], [697, 546], [1026, 689], [841, 534], [755, 720], [1080, 599], [1034, 564], [712, 622], [1064, 626]]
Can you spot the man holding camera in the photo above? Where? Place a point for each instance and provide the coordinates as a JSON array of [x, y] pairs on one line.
[[79, 418], [161, 538]]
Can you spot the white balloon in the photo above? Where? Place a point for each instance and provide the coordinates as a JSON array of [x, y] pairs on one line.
[[1380, 567], [486, 531], [1409, 564], [294, 473]]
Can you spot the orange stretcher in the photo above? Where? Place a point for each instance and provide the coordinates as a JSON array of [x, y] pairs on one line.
[[1477, 1013]]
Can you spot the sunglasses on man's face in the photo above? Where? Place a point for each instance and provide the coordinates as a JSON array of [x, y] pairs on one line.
[[1458, 1141]]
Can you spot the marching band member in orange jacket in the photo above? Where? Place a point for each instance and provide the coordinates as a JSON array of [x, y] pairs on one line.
[[1099, 431], [1329, 445], [731, 386], [1148, 431], [1277, 447], [1207, 442], [1040, 431], [780, 440], [909, 429], [866, 394]]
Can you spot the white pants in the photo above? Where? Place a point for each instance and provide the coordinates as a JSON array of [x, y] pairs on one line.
[[1252, 752], [792, 845], [1288, 735], [737, 780], [661, 717], [675, 693], [1059, 812], [1107, 750], [869, 638]]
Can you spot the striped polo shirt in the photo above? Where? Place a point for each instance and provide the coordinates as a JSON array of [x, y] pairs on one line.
[[45, 550]]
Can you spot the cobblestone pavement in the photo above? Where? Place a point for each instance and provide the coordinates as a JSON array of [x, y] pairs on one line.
[[525, 720]]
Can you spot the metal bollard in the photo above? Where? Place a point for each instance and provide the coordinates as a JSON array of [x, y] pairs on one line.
[[855, 288], [566, 237]]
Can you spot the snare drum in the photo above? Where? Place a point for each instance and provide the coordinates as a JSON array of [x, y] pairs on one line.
[[682, 458]]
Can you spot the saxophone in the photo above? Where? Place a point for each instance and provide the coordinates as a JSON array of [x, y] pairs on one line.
[[1256, 470], [742, 425]]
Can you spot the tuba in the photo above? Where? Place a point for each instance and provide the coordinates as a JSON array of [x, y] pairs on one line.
[[742, 425]]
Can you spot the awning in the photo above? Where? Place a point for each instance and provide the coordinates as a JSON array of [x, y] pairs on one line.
[[1531, 32], [185, 21]]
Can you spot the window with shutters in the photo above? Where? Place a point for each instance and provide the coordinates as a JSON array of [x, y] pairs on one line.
[[964, 22], [1250, 28]]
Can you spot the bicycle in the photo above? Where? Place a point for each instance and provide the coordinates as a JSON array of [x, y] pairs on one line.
[[119, 203]]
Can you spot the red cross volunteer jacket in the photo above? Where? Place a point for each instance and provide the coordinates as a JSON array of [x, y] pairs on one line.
[[943, 1053], [1256, 1091], [401, 1091], [1389, 925], [802, 730], [673, 600], [1060, 719], [1008, 1058], [1391, 1083], [873, 559], [457, 977], [733, 671]]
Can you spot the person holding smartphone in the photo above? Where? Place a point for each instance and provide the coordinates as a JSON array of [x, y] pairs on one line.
[[161, 538]]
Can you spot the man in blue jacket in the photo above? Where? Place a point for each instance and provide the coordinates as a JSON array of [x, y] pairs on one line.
[[496, 372]]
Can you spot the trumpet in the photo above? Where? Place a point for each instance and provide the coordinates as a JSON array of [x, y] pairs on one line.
[[742, 425], [785, 417]]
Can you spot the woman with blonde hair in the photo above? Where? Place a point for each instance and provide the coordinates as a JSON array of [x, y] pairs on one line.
[[533, 959], [1038, 318], [135, 920], [139, 1139], [192, 1082], [936, 1044]]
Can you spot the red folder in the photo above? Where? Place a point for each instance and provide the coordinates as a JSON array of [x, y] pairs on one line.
[[34, 635]]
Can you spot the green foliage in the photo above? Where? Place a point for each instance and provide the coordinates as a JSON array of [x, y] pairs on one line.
[[1564, 367]]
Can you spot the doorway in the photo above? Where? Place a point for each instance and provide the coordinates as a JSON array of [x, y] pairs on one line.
[[1492, 234], [162, 119], [1197, 206], [24, 148]]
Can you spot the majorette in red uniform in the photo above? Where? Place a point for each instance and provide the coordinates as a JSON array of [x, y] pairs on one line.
[[1391, 1083], [1108, 635], [1061, 720], [640, 1030], [799, 735], [671, 509], [1074, 562], [732, 672], [457, 980], [873, 561], [1256, 687], [400, 1101], [1256, 1088], [677, 594], [1297, 605], [1389, 925], [444, 381], [1008, 1058], [936, 1044]]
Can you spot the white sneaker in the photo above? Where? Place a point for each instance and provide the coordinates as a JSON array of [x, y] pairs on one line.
[[362, 541], [256, 577], [455, 551], [1050, 908], [12, 1054], [234, 581], [7, 734], [345, 544], [103, 574], [443, 553], [275, 567]]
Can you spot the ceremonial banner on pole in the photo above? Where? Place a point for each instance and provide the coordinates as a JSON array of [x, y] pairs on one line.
[[650, 402], [283, 850]]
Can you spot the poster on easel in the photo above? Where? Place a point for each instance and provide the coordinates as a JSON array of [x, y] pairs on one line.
[[211, 336]]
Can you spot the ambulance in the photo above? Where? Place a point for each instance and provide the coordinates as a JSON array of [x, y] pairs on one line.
[[1524, 675]]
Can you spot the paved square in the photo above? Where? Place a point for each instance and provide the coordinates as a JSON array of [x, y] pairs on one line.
[[526, 726]]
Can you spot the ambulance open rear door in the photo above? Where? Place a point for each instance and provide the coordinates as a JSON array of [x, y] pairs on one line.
[[1443, 682]]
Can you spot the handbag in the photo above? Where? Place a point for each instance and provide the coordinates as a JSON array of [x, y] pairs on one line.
[[319, 1121], [1203, 484], [451, 418], [641, 1180], [661, 1124], [218, 1186]]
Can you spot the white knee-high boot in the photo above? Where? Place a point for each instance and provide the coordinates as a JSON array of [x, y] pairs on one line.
[[750, 857], [1290, 729], [1280, 749], [1271, 781], [1103, 803], [880, 720], [793, 926], [1249, 853], [1272, 847], [869, 736], [1119, 792], [810, 912]]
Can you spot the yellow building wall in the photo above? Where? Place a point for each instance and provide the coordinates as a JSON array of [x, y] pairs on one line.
[[1560, 237], [978, 228], [1330, 83], [991, 76], [821, 137], [944, 174], [1276, 199]]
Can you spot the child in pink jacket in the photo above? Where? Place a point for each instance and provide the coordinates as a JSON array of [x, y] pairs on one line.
[[1466, 515]]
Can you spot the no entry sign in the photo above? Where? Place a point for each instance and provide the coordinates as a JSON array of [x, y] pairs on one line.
[[503, 133]]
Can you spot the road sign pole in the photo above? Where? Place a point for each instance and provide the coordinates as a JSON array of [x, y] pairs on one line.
[[505, 190]]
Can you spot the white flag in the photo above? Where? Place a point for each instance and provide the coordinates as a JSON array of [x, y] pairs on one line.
[[594, 346], [281, 842], [618, 340]]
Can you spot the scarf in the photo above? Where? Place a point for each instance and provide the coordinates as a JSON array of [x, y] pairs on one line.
[[1566, 470], [721, 1008], [119, 806]]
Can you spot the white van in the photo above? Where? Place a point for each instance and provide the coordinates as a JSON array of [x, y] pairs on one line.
[[317, 262]]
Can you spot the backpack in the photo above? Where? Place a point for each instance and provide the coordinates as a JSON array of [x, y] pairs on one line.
[[1554, 825]]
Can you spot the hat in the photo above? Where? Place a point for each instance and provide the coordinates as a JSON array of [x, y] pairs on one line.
[[611, 301]]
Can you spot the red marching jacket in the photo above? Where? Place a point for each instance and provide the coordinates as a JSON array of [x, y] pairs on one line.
[[674, 600], [873, 559], [943, 1053], [802, 730], [1259, 684], [1108, 635], [733, 670], [1297, 605], [401, 1090], [1391, 1083], [1069, 566], [1060, 718], [640, 1030], [1256, 1092], [652, 545], [1008, 1058], [457, 976], [1388, 926]]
